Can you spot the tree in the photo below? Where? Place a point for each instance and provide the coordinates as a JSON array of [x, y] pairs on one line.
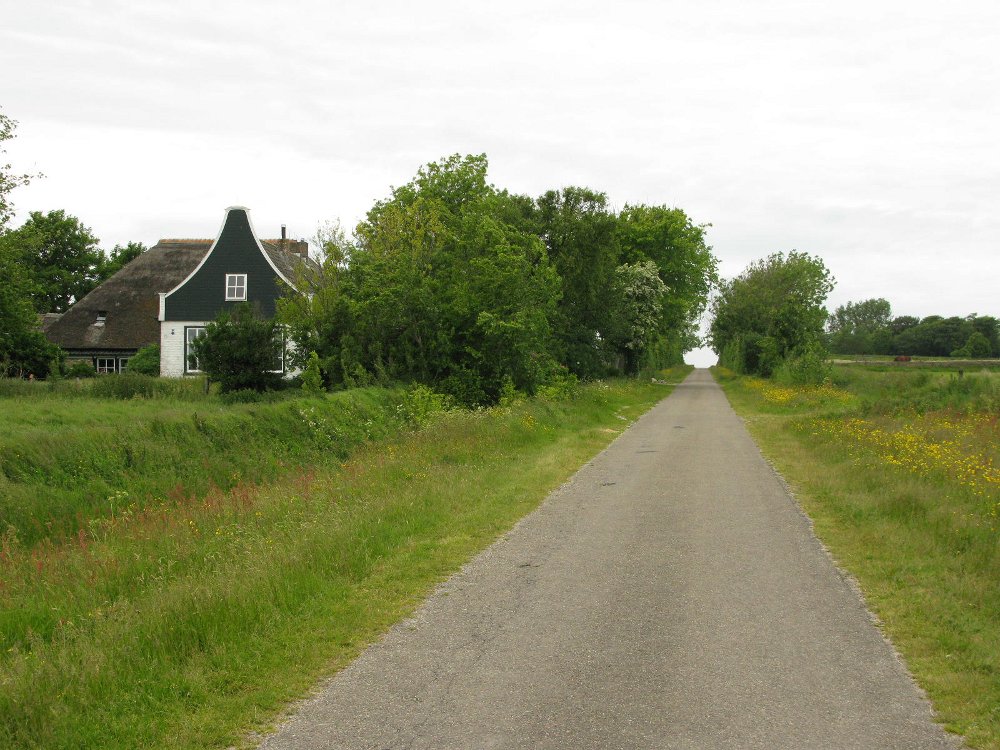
[[977, 347], [934, 336], [146, 361], [61, 256], [8, 181], [444, 287], [580, 236], [687, 267], [989, 327], [861, 327], [771, 312], [636, 306], [312, 377], [240, 350], [462, 287], [24, 350]]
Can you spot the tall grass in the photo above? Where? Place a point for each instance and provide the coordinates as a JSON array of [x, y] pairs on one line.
[[66, 461], [190, 624], [899, 471]]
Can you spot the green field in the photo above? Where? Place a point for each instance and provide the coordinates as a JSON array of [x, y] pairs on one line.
[[190, 620], [899, 468]]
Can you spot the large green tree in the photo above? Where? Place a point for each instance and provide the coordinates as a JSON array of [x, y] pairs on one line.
[[444, 286], [667, 237], [580, 234], [457, 284], [635, 311], [61, 255], [24, 350], [772, 311]]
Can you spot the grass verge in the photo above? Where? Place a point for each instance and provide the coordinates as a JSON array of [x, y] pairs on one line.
[[191, 627], [66, 460], [897, 473]]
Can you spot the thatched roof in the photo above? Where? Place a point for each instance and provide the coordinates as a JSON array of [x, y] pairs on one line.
[[286, 255], [130, 299]]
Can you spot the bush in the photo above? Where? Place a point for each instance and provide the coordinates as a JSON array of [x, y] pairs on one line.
[[561, 388], [80, 370], [312, 377], [126, 385], [977, 347], [239, 351], [420, 405], [810, 367], [146, 361]]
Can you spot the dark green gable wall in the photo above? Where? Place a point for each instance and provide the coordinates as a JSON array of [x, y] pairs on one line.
[[203, 297]]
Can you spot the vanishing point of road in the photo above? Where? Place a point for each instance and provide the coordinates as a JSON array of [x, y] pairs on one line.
[[671, 595]]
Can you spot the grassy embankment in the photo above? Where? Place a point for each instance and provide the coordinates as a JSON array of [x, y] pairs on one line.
[[898, 469], [189, 619]]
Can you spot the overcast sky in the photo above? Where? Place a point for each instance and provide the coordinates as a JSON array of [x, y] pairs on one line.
[[863, 132]]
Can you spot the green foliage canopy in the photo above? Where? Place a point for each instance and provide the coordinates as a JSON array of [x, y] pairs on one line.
[[239, 350], [146, 361], [24, 350], [440, 289], [468, 289], [61, 256], [636, 307], [687, 267], [580, 234], [860, 327], [774, 310]]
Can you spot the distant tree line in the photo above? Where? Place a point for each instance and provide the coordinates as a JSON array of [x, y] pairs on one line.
[[868, 327], [771, 321], [473, 290]]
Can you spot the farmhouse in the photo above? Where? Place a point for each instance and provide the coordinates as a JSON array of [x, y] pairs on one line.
[[169, 293]]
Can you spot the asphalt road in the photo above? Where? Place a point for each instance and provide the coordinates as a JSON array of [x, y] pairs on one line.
[[671, 595]]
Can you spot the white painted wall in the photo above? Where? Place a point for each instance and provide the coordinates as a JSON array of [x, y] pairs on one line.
[[172, 347]]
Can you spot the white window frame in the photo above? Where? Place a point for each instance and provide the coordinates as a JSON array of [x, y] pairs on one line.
[[190, 334], [105, 368], [236, 287], [123, 363]]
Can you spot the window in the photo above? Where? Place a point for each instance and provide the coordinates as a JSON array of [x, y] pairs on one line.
[[190, 360], [122, 364], [104, 365], [236, 287]]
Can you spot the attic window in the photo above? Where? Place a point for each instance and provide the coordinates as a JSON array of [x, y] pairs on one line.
[[236, 287], [102, 315]]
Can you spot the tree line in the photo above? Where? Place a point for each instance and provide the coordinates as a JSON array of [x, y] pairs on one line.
[[868, 327], [474, 290], [449, 281], [771, 321]]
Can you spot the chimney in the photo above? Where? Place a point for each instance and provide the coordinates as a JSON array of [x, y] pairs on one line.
[[283, 234]]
